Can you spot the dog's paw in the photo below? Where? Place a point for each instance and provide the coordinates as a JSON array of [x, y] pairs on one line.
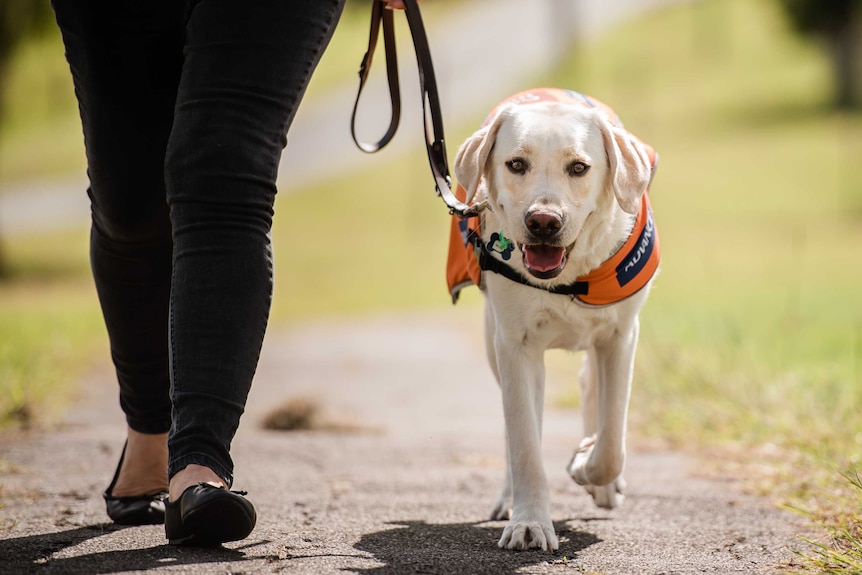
[[608, 496], [578, 465], [522, 535], [502, 509]]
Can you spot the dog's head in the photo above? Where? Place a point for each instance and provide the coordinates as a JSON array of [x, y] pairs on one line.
[[546, 168]]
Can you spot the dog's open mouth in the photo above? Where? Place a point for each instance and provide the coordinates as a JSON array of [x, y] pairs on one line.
[[544, 261]]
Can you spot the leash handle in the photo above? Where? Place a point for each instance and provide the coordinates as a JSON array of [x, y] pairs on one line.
[[435, 141], [379, 18]]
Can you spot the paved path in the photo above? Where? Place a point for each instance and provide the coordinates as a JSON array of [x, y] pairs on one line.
[[405, 492]]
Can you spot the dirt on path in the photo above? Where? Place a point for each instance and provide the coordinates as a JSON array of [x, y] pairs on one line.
[[403, 487]]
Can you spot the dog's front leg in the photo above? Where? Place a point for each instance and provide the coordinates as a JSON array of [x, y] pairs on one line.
[[606, 496], [599, 462], [522, 381]]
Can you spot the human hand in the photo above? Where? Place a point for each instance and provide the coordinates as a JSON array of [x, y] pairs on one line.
[[394, 4]]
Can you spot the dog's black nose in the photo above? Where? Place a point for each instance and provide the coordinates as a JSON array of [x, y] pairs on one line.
[[543, 224]]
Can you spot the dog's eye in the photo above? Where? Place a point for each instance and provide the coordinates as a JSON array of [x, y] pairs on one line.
[[577, 169], [517, 166]]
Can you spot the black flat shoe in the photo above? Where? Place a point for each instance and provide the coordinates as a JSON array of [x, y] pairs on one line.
[[135, 509], [205, 515]]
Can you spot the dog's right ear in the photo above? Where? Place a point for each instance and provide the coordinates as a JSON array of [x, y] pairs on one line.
[[472, 158], [629, 162]]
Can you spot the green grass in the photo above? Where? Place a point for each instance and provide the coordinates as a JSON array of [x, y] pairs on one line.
[[364, 242], [50, 327], [40, 133], [843, 552]]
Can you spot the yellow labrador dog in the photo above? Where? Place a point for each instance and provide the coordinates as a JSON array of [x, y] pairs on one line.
[[565, 254]]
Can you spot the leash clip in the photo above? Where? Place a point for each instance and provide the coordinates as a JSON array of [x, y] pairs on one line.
[[471, 211]]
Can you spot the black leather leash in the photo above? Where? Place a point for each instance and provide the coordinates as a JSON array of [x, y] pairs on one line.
[[380, 17], [434, 139]]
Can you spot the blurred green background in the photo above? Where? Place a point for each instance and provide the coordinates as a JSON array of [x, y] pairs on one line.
[[751, 341]]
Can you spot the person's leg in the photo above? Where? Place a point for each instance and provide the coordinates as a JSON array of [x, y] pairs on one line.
[[246, 68], [125, 60]]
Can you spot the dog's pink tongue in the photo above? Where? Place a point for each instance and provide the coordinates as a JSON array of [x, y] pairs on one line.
[[543, 258]]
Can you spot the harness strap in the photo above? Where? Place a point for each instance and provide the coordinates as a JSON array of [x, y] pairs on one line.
[[489, 263], [435, 142], [622, 275]]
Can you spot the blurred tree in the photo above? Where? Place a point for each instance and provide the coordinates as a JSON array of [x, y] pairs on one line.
[[19, 19], [839, 23]]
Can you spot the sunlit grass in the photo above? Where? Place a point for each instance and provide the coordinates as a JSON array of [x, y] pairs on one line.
[[367, 241], [842, 554], [50, 327], [40, 133]]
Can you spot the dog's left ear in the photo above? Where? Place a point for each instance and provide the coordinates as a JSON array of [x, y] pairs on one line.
[[630, 166]]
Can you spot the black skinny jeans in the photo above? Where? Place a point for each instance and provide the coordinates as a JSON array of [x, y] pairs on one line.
[[185, 106]]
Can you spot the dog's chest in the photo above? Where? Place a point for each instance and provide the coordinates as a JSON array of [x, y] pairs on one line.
[[551, 321]]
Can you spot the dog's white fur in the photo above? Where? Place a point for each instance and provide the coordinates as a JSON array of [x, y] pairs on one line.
[[597, 211]]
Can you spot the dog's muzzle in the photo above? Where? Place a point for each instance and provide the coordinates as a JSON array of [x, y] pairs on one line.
[[542, 258]]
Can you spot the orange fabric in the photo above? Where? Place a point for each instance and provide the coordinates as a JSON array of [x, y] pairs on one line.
[[462, 268], [628, 270], [625, 273]]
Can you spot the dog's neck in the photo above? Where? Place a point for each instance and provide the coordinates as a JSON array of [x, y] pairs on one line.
[[599, 239]]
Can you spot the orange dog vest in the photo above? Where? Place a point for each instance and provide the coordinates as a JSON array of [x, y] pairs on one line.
[[620, 276]]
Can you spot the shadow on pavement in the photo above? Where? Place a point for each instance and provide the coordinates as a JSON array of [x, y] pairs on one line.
[[33, 554], [419, 547]]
